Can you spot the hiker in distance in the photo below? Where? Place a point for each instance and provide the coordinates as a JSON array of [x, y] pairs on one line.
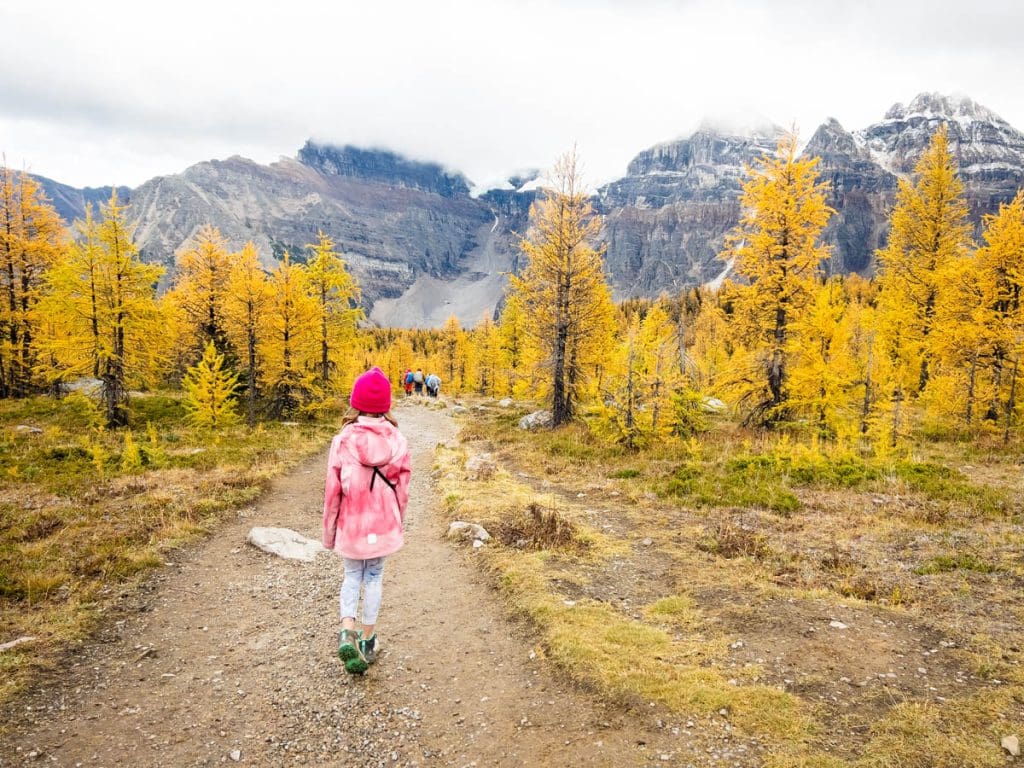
[[365, 497], [417, 381], [407, 380], [433, 383]]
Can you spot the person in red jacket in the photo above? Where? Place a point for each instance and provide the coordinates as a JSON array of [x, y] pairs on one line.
[[365, 497]]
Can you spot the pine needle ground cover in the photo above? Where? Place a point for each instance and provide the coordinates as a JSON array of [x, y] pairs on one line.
[[835, 609], [85, 512]]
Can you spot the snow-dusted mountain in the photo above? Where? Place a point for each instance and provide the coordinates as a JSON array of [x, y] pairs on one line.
[[667, 218], [425, 242]]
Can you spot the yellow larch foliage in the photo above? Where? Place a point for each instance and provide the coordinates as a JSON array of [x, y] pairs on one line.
[[660, 372], [200, 289], [210, 392], [823, 371], [31, 241], [336, 293], [776, 249], [110, 326], [247, 303], [486, 356], [512, 338], [289, 345], [564, 292], [1000, 266], [929, 228]]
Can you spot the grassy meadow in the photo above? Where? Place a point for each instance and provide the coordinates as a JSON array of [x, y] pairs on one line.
[[840, 609], [86, 512]]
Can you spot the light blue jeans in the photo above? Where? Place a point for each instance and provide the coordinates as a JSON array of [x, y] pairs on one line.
[[367, 574]]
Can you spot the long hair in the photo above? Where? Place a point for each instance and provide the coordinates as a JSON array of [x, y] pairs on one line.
[[354, 413]]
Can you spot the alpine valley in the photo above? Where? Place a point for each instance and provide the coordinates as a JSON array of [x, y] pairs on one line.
[[425, 245]]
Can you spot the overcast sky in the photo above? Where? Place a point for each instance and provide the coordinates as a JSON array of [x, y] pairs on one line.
[[105, 92]]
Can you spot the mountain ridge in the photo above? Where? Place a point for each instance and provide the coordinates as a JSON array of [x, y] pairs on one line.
[[417, 230]]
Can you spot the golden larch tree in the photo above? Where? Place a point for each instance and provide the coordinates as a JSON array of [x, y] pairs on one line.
[[1000, 266], [200, 288], [336, 293], [210, 392], [563, 289], [289, 344], [111, 325], [777, 250], [31, 240], [247, 303], [928, 229]]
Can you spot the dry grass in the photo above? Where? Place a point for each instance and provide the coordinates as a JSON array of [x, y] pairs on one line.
[[84, 513], [743, 536]]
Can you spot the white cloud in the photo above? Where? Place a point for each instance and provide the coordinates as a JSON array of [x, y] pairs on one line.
[[93, 93]]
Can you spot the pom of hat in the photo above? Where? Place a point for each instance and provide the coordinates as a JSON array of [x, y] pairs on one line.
[[371, 392]]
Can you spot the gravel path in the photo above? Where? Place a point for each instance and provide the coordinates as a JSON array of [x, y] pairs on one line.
[[228, 655]]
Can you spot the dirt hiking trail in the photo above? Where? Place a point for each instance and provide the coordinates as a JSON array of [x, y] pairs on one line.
[[229, 655]]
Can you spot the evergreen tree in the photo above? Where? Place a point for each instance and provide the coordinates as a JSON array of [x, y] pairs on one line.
[[110, 325], [336, 293], [246, 309], [201, 288], [776, 248], [289, 345], [210, 392], [928, 230], [563, 290], [31, 241]]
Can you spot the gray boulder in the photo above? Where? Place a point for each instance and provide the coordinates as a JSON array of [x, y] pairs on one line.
[[481, 466], [286, 543], [535, 420], [465, 531]]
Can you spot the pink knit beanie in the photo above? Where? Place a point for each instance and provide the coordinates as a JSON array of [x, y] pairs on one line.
[[372, 392]]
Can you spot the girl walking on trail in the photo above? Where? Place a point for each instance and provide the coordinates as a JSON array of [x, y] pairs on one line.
[[365, 497]]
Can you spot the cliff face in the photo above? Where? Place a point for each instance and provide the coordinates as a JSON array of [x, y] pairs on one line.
[[667, 218], [389, 232], [861, 193]]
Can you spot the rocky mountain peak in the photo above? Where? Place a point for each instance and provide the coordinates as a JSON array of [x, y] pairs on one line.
[[931, 105], [382, 166], [984, 143], [831, 138]]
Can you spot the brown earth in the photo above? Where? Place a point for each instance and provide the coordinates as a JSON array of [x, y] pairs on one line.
[[228, 654]]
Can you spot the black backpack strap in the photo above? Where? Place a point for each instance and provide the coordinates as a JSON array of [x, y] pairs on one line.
[[377, 473]]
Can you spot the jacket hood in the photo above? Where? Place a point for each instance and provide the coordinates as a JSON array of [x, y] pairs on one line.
[[373, 442]]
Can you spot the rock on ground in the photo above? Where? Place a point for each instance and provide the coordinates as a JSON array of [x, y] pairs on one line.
[[535, 420], [463, 530], [1012, 745], [480, 467], [286, 543]]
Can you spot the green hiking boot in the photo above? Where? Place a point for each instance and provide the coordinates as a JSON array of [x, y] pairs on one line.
[[356, 666], [368, 648], [348, 644]]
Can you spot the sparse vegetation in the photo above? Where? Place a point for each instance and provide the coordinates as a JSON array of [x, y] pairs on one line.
[[750, 543], [85, 511]]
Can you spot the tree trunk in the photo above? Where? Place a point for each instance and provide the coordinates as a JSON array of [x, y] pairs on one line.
[[1011, 400], [897, 399], [969, 415], [865, 408]]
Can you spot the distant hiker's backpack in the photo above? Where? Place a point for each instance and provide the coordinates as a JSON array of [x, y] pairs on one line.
[[409, 379], [418, 377]]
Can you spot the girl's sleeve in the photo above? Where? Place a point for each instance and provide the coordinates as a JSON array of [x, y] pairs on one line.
[[404, 464], [332, 496]]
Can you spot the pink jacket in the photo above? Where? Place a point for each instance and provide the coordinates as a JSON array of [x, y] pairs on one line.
[[367, 489]]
